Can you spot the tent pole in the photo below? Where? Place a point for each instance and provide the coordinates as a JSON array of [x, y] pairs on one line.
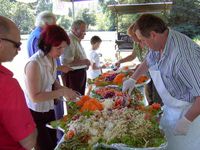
[[73, 11]]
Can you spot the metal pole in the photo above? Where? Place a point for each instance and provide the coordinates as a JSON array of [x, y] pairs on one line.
[[73, 11]]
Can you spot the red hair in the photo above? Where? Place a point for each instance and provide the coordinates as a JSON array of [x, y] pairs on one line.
[[54, 35]]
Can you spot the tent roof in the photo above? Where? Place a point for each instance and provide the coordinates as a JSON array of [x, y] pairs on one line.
[[141, 8]]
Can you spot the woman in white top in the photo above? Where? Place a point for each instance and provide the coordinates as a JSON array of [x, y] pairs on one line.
[[40, 76], [95, 68]]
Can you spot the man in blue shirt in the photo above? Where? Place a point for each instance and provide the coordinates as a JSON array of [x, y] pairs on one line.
[[44, 18]]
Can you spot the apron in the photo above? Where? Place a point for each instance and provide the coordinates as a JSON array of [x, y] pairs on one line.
[[173, 110]]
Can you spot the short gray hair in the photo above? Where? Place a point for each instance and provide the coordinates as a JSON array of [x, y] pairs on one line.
[[43, 18], [77, 23]]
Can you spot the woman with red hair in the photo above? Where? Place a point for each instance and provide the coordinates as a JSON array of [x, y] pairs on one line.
[[40, 76]]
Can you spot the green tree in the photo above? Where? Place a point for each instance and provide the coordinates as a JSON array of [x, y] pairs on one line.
[[110, 17], [43, 5], [5, 6], [20, 13], [121, 21], [64, 21], [125, 21], [185, 17], [23, 17], [87, 15], [102, 22]]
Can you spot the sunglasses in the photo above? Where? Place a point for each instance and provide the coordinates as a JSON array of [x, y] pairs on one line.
[[16, 44]]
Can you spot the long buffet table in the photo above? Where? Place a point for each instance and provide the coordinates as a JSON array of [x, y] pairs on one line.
[[115, 108]]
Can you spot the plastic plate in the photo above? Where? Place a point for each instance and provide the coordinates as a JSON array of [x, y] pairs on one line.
[[78, 67]]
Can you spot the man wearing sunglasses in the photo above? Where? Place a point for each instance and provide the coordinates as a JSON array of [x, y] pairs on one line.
[[16, 44], [17, 128]]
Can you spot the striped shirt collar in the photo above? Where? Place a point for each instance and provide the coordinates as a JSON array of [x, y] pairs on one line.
[[165, 52]]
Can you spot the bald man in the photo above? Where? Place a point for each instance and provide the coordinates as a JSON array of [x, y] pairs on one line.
[[17, 128]]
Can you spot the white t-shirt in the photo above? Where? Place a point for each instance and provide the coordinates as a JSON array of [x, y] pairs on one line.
[[94, 58]]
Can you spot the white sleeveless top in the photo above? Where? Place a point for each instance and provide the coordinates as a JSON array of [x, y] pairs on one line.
[[47, 80]]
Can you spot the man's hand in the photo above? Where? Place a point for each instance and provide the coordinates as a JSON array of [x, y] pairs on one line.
[[182, 126], [128, 85], [85, 62]]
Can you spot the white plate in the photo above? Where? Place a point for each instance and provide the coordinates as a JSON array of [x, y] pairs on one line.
[[78, 67], [132, 67], [142, 84], [50, 127]]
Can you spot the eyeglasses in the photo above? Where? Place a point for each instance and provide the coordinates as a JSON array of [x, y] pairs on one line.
[[16, 44]]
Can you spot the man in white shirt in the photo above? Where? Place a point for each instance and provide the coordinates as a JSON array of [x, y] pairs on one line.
[[74, 55]]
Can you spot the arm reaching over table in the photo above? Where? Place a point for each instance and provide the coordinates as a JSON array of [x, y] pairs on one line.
[[129, 84]]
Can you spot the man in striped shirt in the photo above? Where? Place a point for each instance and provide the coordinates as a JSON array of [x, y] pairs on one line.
[[173, 62]]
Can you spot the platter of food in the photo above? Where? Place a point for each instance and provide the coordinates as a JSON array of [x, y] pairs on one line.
[[125, 128], [111, 78], [111, 119], [143, 80], [99, 122]]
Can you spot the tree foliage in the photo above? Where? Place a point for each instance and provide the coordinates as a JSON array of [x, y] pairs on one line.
[[110, 20], [43, 5], [87, 15], [185, 17], [140, 1], [121, 22], [64, 21], [20, 13], [23, 17]]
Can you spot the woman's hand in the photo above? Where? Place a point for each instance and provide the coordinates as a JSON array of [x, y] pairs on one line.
[[70, 94]]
